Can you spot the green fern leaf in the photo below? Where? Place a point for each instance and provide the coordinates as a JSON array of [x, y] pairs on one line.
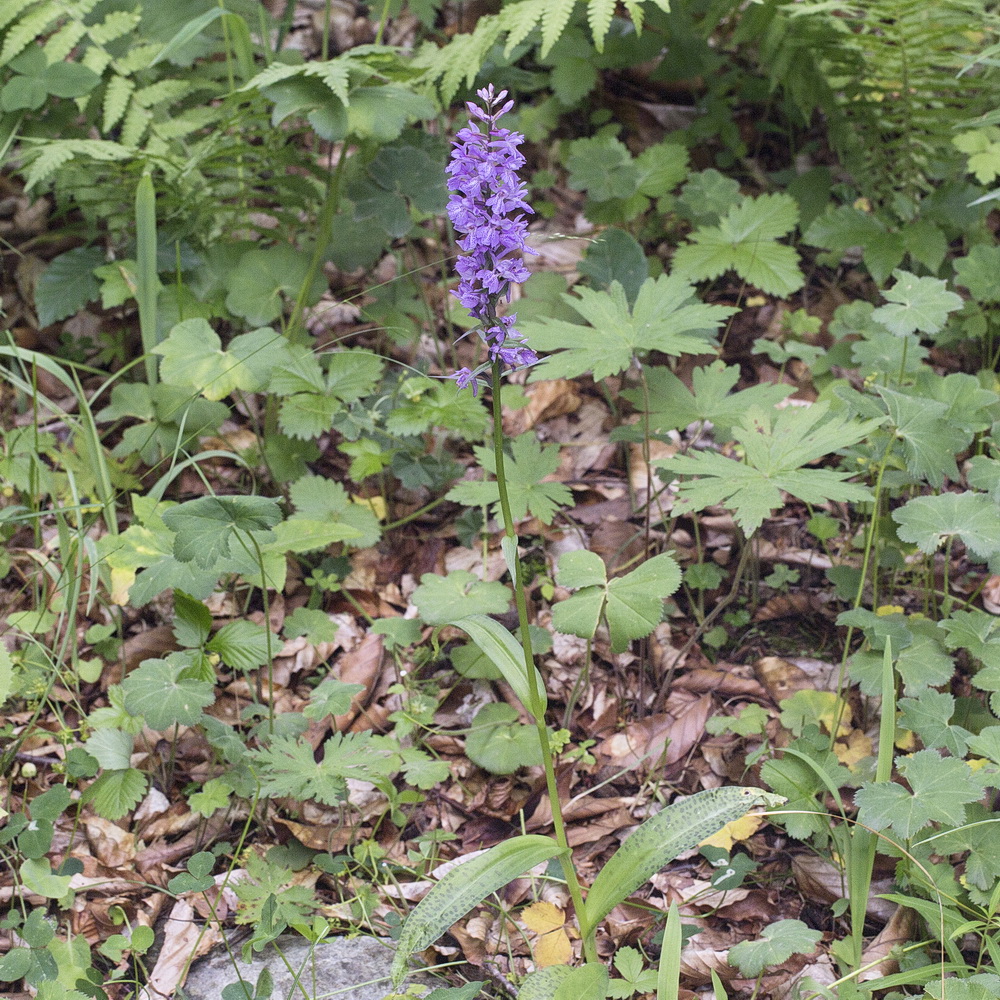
[[161, 92], [336, 74], [12, 9], [599, 14], [135, 125], [555, 17], [519, 20], [36, 23], [63, 41], [116, 98], [274, 73], [54, 155], [116, 25], [464, 65]]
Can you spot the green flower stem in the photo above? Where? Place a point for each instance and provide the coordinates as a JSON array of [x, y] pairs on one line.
[[572, 882]]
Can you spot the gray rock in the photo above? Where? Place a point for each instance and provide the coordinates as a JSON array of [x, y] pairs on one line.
[[357, 966]]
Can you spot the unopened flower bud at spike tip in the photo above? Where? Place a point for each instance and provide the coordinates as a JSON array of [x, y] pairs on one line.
[[488, 209]]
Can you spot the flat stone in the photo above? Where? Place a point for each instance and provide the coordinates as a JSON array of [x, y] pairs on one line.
[[359, 966]]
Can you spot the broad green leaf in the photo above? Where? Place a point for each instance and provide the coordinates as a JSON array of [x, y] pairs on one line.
[[430, 404], [929, 716], [525, 468], [317, 499], [708, 196], [778, 444], [67, 284], [778, 942], [111, 748], [265, 278], [677, 828], [543, 983], [844, 227], [586, 982], [975, 631], [603, 167], [192, 620], [978, 272], [194, 359], [744, 242], [666, 317], [441, 599], [917, 304], [507, 656], [36, 874], [159, 691], [314, 624], [381, 113], [500, 743], [928, 521], [243, 645], [462, 888], [332, 697], [930, 442], [207, 528], [672, 405], [6, 675], [941, 789], [614, 256]]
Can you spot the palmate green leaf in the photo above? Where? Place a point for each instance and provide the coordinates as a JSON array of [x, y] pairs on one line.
[[430, 404], [67, 284], [114, 793], [207, 528], [673, 405], [679, 827], [976, 631], [632, 604], [441, 599], [929, 716], [778, 443], [666, 317], [928, 521], [265, 278], [463, 887], [194, 359], [603, 167], [287, 767], [528, 464], [942, 788], [322, 502], [744, 242], [499, 742], [164, 694], [917, 304], [978, 272], [778, 942]]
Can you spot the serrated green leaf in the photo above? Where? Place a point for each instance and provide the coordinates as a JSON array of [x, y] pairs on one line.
[[111, 748], [67, 284], [778, 443], [315, 625], [115, 793], [635, 601], [917, 304], [206, 529], [778, 942], [159, 691], [192, 620], [929, 716], [978, 272], [331, 697], [321, 500], [678, 827], [265, 278], [941, 789], [603, 167], [665, 318], [928, 521], [242, 644], [441, 599], [672, 405], [462, 888]]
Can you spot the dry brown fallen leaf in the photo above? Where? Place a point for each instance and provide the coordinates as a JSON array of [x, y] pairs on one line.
[[663, 738]]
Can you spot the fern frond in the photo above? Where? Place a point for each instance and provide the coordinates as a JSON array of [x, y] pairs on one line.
[[519, 20], [135, 125], [51, 156], [599, 14], [336, 74], [22, 34], [638, 14], [136, 59], [554, 20], [116, 97], [62, 41], [116, 25], [163, 91], [12, 9]]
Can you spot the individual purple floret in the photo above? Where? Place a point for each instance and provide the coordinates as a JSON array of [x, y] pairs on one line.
[[487, 207]]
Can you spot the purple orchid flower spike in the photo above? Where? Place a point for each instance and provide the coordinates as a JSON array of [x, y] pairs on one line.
[[487, 208]]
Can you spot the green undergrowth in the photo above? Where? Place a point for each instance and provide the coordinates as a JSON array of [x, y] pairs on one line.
[[793, 332]]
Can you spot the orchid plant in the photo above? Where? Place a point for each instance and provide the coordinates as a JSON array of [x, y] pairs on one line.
[[489, 211]]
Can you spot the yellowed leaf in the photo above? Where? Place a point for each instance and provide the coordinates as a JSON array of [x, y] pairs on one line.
[[738, 829], [375, 504], [547, 921], [888, 609], [855, 748], [121, 582]]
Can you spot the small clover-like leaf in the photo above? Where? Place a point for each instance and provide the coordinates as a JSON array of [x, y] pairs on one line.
[[441, 599], [778, 942]]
